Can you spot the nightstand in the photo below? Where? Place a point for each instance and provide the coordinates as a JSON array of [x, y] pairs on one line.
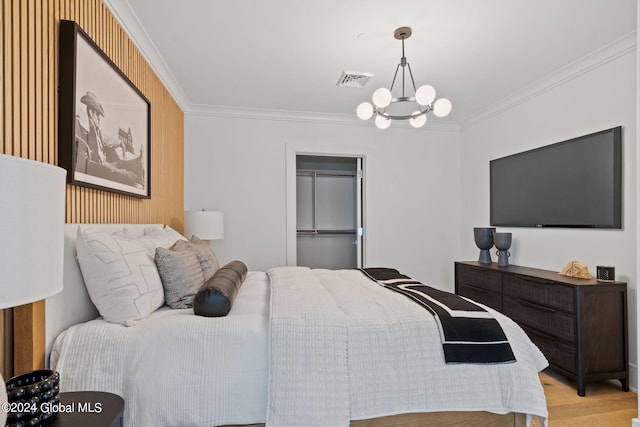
[[89, 408]]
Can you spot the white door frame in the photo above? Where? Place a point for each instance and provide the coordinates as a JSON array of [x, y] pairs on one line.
[[293, 150]]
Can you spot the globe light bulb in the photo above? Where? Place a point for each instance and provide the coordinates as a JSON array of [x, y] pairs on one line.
[[419, 121], [382, 122], [442, 107], [364, 111], [382, 97], [425, 95]]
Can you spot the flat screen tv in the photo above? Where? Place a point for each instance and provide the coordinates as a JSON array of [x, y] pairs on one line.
[[571, 184]]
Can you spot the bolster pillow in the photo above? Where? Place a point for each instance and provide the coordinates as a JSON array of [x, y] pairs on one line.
[[216, 296]]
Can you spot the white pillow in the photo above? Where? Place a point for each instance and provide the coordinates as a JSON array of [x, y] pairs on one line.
[[120, 275], [155, 237]]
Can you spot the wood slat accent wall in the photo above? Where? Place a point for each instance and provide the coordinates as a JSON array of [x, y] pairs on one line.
[[28, 126], [6, 357]]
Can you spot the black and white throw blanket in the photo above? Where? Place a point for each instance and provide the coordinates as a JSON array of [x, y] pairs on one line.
[[469, 333]]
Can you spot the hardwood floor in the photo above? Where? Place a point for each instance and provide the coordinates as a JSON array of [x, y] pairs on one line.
[[604, 405]]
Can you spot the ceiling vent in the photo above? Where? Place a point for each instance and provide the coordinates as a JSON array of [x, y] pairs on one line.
[[353, 79]]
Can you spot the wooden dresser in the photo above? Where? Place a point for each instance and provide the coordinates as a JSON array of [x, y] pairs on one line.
[[579, 324]]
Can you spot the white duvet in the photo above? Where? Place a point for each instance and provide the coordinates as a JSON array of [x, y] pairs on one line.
[[347, 349], [176, 368]]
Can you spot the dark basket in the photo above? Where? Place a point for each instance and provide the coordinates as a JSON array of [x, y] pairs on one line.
[[35, 395]]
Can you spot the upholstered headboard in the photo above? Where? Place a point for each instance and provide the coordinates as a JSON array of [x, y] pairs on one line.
[[73, 305]]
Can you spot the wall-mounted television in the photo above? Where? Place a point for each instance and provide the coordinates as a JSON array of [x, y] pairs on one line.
[[572, 184]]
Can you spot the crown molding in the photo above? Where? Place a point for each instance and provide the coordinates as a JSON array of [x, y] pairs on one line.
[[610, 52], [123, 13], [299, 116]]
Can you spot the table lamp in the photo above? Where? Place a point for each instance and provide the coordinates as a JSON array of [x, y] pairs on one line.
[[31, 235], [206, 225]]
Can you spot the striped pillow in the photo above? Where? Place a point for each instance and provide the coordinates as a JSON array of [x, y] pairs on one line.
[[180, 273], [208, 260]]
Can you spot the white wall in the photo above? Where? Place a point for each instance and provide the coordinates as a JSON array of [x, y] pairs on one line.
[[597, 99], [412, 183]]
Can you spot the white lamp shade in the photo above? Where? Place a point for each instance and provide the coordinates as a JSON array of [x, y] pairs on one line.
[[419, 121], [382, 122], [206, 225], [425, 95], [364, 111], [382, 97], [442, 107], [31, 230]]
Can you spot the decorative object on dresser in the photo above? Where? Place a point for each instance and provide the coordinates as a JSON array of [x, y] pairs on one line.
[[576, 269], [605, 273], [483, 237], [502, 242], [579, 324], [32, 210]]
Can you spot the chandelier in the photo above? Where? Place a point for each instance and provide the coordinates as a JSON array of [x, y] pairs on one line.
[[414, 108]]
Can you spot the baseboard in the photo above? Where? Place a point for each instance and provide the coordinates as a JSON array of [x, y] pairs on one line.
[[633, 385], [633, 379]]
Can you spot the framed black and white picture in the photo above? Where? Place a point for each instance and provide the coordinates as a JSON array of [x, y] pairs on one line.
[[104, 129]]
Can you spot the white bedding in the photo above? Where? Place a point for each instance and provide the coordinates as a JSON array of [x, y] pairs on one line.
[[308, 369], [395, 361], [178, 369]]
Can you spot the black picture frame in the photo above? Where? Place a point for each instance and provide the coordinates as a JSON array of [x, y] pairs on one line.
[[104, 121]]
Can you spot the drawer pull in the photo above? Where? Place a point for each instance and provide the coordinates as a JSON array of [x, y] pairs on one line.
[[476, 267], [535, 279], [542, 334], [536, 306], [477, 289]]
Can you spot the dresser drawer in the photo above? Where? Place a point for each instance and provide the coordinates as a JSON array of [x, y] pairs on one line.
[[553, 322], [479, 277], [481, 295], [540, 291], [557, 353]]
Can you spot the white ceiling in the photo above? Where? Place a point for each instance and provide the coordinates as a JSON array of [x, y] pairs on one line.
[[286, 56]]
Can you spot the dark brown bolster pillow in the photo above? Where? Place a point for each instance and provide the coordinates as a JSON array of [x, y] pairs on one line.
[[216, 296]]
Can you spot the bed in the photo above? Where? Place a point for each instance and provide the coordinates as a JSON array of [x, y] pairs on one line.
[[345, 352]]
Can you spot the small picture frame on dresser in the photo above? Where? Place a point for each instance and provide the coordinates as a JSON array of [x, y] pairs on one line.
[[605, 273]]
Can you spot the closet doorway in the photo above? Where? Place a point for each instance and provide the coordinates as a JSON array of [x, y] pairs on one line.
[[329, 232]]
